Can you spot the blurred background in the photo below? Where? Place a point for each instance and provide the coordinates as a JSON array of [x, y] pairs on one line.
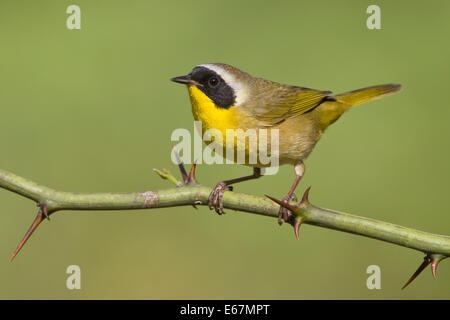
[[92, 110]]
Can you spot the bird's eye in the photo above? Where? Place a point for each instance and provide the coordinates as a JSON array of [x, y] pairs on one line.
[[213, 81]]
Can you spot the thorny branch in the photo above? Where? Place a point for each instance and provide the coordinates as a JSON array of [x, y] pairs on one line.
[[189, 192]]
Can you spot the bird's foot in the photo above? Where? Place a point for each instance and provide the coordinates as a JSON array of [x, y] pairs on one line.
[[294, 219], [215, 200], [285, 214]]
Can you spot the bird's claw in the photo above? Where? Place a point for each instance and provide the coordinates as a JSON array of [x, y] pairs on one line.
[[285, 214], [215, 200]]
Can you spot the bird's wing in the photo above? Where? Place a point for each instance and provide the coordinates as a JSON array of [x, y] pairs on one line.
[[281, 102]]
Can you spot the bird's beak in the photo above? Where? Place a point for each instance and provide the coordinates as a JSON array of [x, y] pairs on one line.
[[184, 80]]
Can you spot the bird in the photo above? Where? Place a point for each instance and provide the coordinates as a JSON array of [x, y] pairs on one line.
[[224, 97]]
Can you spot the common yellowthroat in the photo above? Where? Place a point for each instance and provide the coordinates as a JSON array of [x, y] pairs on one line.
[[224, 97]]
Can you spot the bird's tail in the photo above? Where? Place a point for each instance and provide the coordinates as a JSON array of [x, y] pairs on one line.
[[355, 97], [338, 104]]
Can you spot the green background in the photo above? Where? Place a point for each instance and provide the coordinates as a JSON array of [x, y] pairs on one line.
[[93, 109]]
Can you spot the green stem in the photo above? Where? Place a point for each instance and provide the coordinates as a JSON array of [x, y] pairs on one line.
[[198, 195]]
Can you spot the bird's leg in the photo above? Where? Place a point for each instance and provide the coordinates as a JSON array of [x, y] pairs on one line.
[[284, 214], [215, 199]]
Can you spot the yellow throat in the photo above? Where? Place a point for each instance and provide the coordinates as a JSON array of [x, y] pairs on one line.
[[211, 116]]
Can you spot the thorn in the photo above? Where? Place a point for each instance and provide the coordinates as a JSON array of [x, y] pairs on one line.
[[305, 199], [181, 166], [192, 172], [425, 263], [435, 259], [43, 210], [297, 225], [283, 204], [434, 265]]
